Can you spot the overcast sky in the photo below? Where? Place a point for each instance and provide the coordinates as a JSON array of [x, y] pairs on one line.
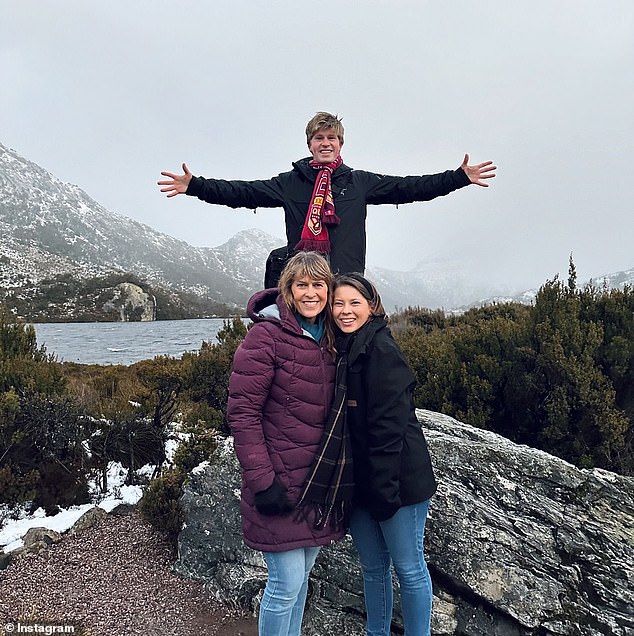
[[106, 95]]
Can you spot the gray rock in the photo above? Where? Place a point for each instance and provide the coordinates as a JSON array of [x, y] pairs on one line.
[[518, 543], [6, 559], [91, 517], [131, 303], [37, 539]]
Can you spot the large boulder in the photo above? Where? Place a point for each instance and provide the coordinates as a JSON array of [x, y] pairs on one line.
[[130, 303], [518, 543]]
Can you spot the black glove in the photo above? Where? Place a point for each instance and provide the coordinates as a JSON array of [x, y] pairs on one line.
[[273, 500]]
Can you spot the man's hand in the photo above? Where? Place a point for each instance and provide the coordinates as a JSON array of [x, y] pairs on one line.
[[479, 172], [178, 182]]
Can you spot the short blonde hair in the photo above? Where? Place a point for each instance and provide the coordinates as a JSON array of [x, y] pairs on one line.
[[324, 121]]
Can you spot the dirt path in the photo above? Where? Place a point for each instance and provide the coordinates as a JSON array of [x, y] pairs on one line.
[[113, 578]]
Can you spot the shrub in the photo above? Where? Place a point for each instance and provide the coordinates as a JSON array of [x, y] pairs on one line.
[[61, 485], [200, 438], [42, 428], [17, 340], [160, 504], [206, 373], [557, 375], [18, 488], [41, 444], [130, 440]]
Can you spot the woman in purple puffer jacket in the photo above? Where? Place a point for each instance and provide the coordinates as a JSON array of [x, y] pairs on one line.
[[280, 394]]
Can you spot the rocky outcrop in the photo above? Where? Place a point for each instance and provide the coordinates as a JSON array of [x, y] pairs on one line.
[[518, 543], [37, 539], [131, 303]]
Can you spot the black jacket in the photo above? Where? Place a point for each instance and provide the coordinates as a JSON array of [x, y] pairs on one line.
[[392, 466], [352, 189]]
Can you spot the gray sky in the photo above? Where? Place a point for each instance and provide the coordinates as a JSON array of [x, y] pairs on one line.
[[106, 95]]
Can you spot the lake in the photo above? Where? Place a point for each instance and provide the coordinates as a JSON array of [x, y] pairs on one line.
[[125, 342]]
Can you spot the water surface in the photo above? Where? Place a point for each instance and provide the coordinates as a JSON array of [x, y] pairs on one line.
[[125, 342]]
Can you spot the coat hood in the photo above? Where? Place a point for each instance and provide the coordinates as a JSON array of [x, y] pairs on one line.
[[269, 306]]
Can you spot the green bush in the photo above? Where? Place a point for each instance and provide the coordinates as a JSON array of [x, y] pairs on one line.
[[200, 437], [557, 375], [160, 504], [42, 428], [206, 372], [18, 488]]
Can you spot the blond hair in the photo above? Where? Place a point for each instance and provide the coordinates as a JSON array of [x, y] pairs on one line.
[[324, 121]]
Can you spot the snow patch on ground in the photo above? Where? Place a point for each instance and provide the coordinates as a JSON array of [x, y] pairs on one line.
[[15, 522], [12, 530]]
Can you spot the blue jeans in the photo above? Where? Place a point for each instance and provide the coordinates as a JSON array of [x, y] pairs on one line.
[[398, 540], [284, 596]]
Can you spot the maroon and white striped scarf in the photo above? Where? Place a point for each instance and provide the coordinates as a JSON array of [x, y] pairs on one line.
[[321, 210]]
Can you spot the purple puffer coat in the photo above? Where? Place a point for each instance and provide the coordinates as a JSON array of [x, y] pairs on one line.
[[280, 392]]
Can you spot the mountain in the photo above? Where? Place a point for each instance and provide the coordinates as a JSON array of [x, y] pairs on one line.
[[432, 283], [50, 228], [617, 280]]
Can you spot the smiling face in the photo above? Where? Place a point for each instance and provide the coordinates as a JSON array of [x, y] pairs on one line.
[[325, 146], [309, 296], [350, 309]]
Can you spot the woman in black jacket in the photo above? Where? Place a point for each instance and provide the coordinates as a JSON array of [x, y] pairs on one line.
[[393, 474]]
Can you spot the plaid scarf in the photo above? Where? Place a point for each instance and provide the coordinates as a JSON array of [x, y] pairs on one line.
[[321, 210], [329, 486]]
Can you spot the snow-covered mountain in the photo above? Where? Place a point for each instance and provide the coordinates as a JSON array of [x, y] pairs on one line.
[[617, 280], [432, 283], [49, 227]]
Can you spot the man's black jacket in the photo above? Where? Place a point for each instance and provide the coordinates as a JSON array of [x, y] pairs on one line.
[[353, 191]]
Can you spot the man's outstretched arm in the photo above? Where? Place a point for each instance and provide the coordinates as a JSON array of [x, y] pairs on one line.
[[267, 193]]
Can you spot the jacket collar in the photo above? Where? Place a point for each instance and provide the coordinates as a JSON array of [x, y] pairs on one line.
[[357, 344]]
